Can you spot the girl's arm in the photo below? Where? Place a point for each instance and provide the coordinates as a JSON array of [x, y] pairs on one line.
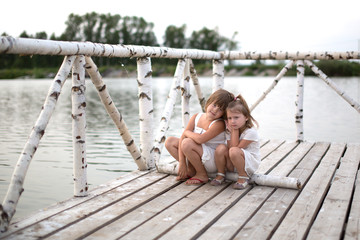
[[235, 139], [215, 129]]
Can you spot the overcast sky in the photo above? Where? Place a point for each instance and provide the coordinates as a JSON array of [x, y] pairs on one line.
[[262, 25]]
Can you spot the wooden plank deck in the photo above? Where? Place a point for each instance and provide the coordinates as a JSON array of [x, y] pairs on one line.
[[151, 205]]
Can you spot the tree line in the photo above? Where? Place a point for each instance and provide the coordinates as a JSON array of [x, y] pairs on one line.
[[114, 29]]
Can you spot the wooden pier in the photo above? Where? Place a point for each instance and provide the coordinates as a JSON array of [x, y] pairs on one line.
[[152, 205]]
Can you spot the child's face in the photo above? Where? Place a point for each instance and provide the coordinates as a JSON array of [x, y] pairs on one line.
[[214, 111], [236, 120]]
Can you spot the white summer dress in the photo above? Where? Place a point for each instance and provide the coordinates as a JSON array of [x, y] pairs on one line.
[[252, 151], [208, 157]]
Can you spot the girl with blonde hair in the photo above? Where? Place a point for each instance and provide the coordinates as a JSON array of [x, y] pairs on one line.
[[242, 152]]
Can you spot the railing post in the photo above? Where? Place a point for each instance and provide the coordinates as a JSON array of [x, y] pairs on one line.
[[146, 110], [218, 75], [7, 209], [195, 80], [333, 85], [169, 106], [185, 94], [114, 113], [300, 101], [79, 126]]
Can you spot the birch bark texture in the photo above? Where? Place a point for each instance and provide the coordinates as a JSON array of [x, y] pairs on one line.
[[300, 69], [333, 85], [185, 95], [196, 84], [259, 179], [113, 112], [7, 209], [146, 110], [218, 75], [169, 107], [79, 127]]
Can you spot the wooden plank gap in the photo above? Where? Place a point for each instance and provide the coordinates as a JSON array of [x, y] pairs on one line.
[[132, 209], [165, 208], [225, 186], [224, 211], [101, 208], [65, 205]]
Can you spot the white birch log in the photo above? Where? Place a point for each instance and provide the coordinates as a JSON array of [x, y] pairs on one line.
[[274, 83], [28, 46], [8, 207], [300, 101], [218, 75], [113, 112], [79, 127], [146, 110], [325, 55], [169, 106], [259, 179], [197, 87], [333, 85], [185, 95]]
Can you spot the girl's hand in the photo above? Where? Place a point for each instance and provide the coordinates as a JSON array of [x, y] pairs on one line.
[[228, 127]]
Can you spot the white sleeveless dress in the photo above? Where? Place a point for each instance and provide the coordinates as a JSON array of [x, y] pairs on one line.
[[208, 157]]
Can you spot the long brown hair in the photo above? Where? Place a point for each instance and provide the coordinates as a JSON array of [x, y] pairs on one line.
[[239, 105], [221, 98]]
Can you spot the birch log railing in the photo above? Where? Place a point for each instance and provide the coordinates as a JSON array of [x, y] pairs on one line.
[[78, 58]]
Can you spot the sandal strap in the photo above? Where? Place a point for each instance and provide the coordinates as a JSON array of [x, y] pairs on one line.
[[220, 174]]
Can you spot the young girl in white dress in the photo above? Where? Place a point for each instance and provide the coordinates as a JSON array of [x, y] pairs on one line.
[[197, 144], [242, 152]]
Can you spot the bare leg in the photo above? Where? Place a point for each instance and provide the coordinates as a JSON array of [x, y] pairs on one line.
[[172, 145], [221, 157], [193, 153], [237, 158]]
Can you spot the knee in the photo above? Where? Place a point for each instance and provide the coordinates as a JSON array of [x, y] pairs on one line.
[[171, 142], [235, 152], [221, 149], [187, 144]]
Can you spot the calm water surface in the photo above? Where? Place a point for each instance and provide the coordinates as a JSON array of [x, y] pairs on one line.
[[327, 117]]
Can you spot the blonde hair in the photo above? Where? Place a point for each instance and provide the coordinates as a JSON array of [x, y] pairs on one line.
[[239, 105], [221, 98]]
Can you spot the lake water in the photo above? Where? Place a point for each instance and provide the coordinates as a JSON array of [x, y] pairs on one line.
[[327, 117]]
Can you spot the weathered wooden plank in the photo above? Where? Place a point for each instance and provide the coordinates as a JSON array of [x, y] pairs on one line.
[[330, 221], [79, 212], [273, 158], [301, 215], [66, 204], [204, 215], [115, 211], [228, 224], [263, 223], [269, 147], [144, 213], [353, 225], [177, 212]]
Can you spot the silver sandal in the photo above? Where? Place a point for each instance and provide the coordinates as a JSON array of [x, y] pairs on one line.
[[240, 186], [216, 182]]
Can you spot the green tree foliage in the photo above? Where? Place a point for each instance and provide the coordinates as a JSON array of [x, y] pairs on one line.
[[175, 37], [207, 39]]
